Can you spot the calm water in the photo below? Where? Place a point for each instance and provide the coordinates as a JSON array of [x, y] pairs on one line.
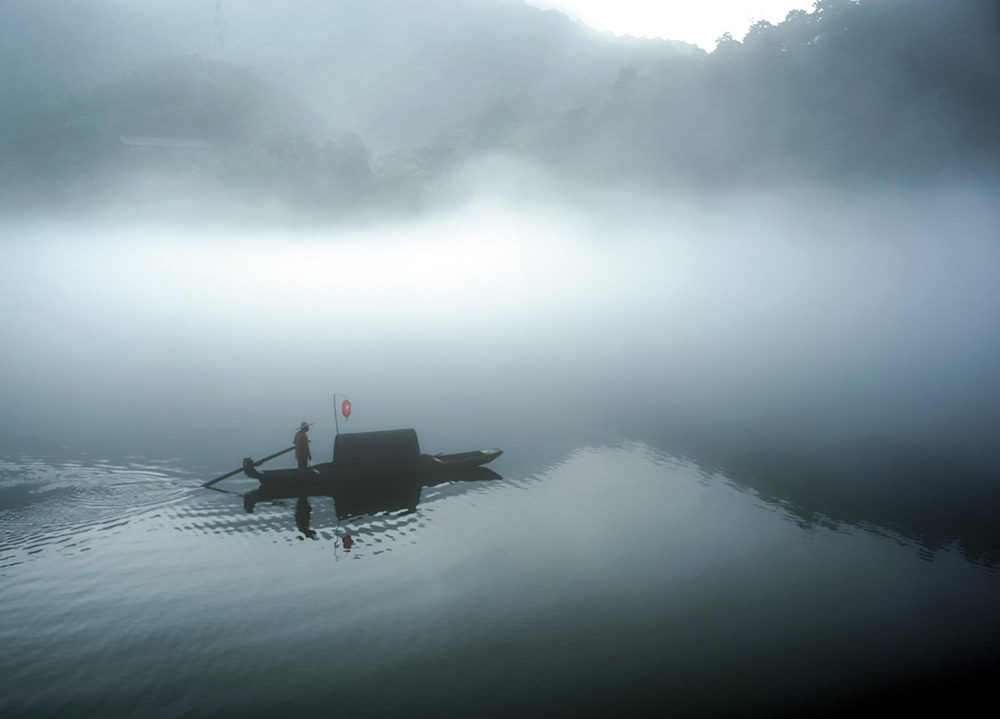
[[613, 577], [742, 474]]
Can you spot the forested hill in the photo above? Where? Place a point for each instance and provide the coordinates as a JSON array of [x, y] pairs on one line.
[[327, 107], [397, 72], [890, 89]]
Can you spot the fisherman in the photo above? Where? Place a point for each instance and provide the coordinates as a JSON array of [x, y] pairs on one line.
[[301, 442]]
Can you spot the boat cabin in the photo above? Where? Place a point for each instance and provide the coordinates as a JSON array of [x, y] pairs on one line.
[[391, 449]]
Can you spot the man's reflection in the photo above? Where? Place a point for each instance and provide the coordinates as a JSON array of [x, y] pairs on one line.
[[303, 513]]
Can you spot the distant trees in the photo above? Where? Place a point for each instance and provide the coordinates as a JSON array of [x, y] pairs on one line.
[[258, 142], [855, 88], [852, 89]]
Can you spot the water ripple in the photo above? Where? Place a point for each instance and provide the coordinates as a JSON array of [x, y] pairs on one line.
[[59, 506]]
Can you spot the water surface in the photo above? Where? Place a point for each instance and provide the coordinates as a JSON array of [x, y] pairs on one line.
[[744, 472], [615, 575]]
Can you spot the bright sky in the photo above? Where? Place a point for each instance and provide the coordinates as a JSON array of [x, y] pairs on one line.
[[697, 21]]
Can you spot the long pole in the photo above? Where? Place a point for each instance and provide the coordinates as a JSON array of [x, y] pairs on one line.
[[255, 464]]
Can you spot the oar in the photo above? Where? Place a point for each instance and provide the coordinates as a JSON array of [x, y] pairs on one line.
[[255, 464]]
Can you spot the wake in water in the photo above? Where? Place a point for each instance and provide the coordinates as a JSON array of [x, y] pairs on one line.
[[60, 507], [64, 506]]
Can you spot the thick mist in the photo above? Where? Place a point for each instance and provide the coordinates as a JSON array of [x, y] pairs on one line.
[[730, 315], [850, 318]]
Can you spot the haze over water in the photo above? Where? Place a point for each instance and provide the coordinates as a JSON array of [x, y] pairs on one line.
[[730, 315], [870, 315], [646, 367]]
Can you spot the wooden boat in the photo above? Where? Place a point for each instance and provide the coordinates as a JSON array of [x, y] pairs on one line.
[[363, 457]]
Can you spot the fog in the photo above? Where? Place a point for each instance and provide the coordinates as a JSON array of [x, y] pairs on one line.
[[499, 226], [731, 310], [844, 318]]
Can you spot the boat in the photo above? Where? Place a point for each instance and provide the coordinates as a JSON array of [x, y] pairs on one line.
[[366, 457]]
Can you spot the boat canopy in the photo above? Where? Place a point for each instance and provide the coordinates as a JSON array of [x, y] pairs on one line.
[[383, 450]]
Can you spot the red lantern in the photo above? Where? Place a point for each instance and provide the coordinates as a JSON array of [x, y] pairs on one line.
[[345, 407]]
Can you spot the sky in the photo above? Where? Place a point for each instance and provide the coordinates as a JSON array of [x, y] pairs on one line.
[[696, 21]]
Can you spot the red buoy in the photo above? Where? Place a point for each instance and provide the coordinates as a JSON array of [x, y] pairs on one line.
[[345, 407]]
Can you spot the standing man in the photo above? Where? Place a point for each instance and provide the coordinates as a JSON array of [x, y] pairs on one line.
[[301, 442]]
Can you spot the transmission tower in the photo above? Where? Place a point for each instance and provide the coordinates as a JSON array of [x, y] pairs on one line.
[[220, 28]]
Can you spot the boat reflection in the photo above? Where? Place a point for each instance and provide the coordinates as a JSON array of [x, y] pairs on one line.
[[352, 500]]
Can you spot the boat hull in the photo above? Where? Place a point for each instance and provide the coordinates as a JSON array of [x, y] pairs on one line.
[[319, 477]]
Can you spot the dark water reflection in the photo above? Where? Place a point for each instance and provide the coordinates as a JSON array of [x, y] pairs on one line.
[[388, 494], [613, 579], [937, 498]]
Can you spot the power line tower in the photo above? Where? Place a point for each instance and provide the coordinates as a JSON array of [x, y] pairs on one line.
[[220, 29]]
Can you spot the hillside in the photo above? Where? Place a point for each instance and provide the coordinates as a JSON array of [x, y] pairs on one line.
[[331, 108], [397, 72], [873, 90], [183, 130]]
